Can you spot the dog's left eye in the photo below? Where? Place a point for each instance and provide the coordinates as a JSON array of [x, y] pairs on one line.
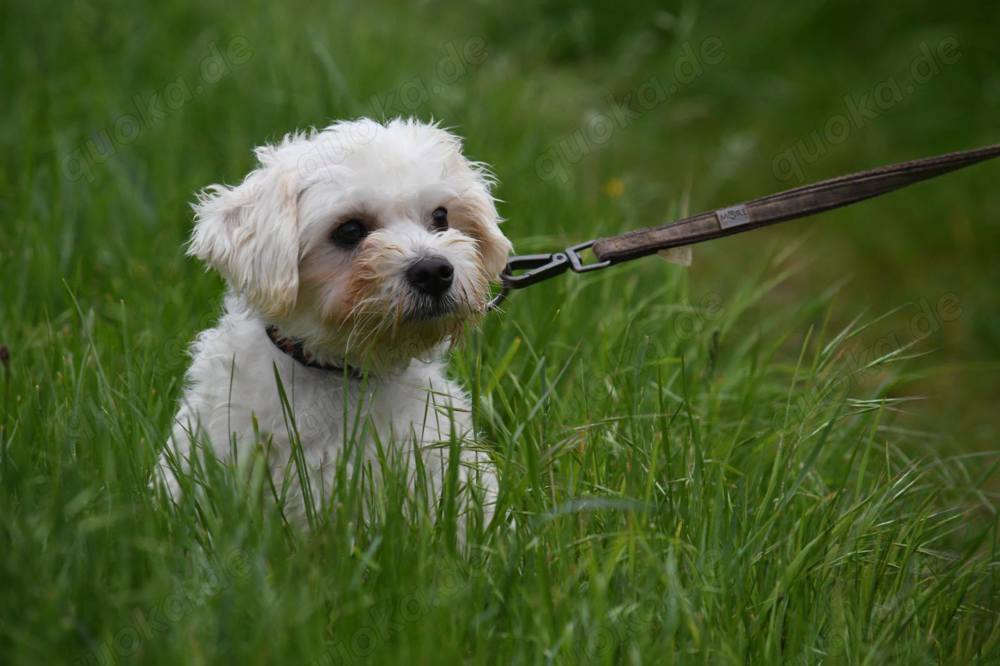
[[349, 234], [439, 218]]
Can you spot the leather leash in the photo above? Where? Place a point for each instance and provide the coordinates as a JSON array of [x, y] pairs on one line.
[[528, 269]]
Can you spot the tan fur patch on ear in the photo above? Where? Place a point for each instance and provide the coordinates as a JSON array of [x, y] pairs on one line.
[[477, 217]]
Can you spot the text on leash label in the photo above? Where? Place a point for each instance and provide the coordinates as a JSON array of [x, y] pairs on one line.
[[733, 217]]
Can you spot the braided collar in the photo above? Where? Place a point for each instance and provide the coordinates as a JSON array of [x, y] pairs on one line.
[[295, 349]]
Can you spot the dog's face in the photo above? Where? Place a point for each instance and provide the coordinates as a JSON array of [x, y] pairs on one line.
[[372, 242]]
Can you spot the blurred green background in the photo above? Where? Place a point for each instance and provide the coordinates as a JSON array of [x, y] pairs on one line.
[[115, 115]]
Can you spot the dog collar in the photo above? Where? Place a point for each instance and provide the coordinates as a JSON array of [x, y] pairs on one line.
[[295, 349]]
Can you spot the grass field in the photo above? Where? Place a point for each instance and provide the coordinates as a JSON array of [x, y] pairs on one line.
[[784, 454]]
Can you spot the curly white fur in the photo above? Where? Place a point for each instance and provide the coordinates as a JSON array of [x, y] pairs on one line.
[[272, 238]]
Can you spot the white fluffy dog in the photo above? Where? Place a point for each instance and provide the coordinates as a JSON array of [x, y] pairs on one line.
[[353, 255]]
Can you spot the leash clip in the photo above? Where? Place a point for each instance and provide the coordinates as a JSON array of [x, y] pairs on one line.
[[576, 262], [537, 267]]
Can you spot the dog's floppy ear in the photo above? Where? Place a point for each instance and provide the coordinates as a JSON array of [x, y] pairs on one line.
[[250, 234], [494, 247]]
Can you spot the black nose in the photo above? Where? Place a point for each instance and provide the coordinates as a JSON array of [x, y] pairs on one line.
[[431, 275]]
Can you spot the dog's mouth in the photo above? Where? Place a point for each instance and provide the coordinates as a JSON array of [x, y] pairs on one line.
[[425, 309]]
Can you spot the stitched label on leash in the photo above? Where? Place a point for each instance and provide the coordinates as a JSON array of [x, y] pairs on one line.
[[733, 217]]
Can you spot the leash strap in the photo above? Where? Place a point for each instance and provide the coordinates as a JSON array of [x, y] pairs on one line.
[[781, 207]]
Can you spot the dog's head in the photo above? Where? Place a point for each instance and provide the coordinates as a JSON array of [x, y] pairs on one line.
[[371, 242]]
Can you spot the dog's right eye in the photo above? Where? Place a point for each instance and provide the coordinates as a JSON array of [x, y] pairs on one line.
[[349, 234]]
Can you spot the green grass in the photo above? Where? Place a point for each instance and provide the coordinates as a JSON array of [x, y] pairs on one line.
[[720, 465]]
